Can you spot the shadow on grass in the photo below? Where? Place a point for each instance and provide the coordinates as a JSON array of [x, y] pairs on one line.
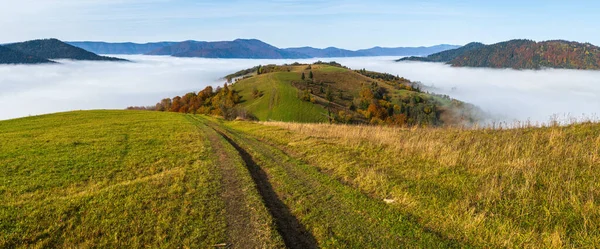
[[293, 232]]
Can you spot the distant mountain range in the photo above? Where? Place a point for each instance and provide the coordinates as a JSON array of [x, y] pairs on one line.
[[248, 48], [240, 48], [445, 56], [120, 48], [521, 54]]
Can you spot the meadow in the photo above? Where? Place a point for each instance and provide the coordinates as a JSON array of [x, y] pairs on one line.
[[154, 179]]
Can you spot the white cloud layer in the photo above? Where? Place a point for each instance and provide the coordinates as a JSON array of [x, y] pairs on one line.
[[506, 94]]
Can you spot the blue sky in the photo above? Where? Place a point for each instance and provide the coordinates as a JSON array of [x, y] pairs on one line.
[[288, 23]]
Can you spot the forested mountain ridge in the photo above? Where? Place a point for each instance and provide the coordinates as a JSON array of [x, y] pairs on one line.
[[527, 54], [9, 56], [56, 49], [446, 56], [520, 54]]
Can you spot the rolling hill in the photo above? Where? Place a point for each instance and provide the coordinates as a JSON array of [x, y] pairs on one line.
[[240, 48], [9, 56], [323, 92], [120, 47], [446, 56], [160, 179], [56, 49]]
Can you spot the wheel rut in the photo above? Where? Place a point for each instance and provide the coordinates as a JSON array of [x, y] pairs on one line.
[[294, 234]]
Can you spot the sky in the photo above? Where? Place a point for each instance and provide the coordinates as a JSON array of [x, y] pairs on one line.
[[348, 24]]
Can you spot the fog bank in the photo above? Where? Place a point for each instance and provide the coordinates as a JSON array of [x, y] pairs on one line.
[[506, 94]]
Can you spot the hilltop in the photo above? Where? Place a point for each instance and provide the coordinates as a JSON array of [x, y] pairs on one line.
[[120, 47], [56, 49], [324, 92], [520, 54], [160, 179], [9, 56]]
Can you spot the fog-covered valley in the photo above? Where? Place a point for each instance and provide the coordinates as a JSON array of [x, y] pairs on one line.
[[507, 95]]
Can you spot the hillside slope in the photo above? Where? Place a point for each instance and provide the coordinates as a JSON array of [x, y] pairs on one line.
[[120, 47], [330, 92], [123, 179], [514, 188], [9, 56], [526, 54], [156, 179], [446, 56], [55, 49]]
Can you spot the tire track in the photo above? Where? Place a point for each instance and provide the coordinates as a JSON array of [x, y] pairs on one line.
[[294, 234]]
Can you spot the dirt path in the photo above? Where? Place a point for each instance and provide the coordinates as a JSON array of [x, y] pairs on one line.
[[291, 230], [242, 230]]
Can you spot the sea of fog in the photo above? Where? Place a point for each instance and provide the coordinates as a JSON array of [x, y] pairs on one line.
[[507, 95]]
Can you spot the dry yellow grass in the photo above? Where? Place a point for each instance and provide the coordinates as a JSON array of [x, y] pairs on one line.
[[527, 187]]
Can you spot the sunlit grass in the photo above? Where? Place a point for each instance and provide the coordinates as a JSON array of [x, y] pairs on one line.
[[108, 179], [528, 187]]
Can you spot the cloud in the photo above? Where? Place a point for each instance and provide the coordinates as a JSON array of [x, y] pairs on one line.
[[506, 94]]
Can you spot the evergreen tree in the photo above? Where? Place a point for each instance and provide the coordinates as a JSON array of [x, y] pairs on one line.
[[303, 76], [310, 75], [329, 94]]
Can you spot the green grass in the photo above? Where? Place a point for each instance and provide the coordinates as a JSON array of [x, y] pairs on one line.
[[169, 180], [110, 179], [521, 188], [337, 215], [280, 101], [328, 69]]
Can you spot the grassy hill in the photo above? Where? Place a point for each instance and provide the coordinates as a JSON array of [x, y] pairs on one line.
[[161, 179], [279, 100], [55, 49], [9, 56], [331, 91]]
